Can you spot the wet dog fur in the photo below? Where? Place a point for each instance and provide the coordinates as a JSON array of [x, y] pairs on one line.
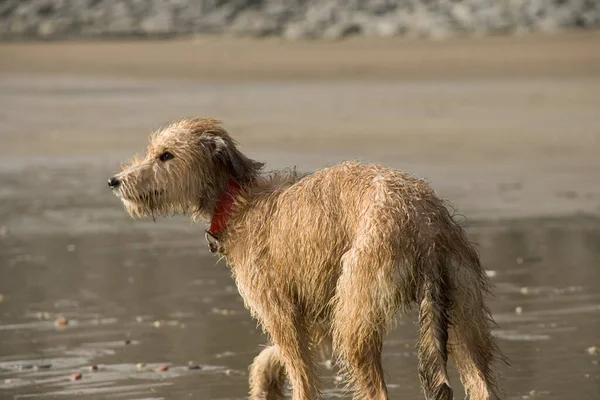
[[331, 255]]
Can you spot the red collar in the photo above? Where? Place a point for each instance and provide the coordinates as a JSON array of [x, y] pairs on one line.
[[223, 209]]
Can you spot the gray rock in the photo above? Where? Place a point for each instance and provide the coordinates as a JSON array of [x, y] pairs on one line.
[[291, 19], [254, 23], [462, 17], [160, 23], [17, 27], [384, 27], [46, 28], [120, 19], [342, 29], [298, 31]]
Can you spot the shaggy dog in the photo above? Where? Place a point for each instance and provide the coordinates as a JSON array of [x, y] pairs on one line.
[[329, 255]]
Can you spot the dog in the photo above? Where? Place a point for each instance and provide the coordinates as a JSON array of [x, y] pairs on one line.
[[332, 255]]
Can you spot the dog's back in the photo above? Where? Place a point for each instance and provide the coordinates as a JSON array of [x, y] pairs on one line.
[[352, 244]]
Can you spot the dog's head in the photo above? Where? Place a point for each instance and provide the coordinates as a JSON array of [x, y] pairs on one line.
[[186, 167]]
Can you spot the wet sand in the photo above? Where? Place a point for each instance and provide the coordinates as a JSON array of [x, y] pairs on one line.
[[507, 129]]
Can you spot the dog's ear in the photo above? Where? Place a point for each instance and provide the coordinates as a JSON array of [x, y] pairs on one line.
[[226, 154]]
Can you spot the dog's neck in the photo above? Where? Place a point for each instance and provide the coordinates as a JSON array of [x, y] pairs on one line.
[[222, 209]]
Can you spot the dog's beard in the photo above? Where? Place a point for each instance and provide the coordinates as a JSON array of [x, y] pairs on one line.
[[143, 205], [156, 203], [135, 209]]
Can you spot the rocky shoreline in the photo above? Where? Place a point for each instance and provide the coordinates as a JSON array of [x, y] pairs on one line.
[[289, 19]]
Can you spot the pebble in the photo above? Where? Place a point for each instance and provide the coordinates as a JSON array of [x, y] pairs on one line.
[[593, 350], [162, 368], [61, 322], [158, 324], [93, 368], [127, 342], [140, 365], [222, 311], [491, 273], [519, 310], [193, 365], [43, 315], [75, 377]]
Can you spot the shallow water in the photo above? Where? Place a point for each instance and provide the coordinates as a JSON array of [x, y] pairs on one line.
[[137, 292]]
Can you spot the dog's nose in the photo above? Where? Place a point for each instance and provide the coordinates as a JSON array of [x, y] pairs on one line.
[[113, 183]]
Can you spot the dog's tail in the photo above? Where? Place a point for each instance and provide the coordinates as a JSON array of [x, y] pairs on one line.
[[434, 321]]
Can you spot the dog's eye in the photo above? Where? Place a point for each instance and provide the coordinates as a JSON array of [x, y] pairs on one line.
[[166, 156]]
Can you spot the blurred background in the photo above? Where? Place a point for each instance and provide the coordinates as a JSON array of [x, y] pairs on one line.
[[496, 103]]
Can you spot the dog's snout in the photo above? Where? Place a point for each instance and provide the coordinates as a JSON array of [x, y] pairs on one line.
[[113, 182]]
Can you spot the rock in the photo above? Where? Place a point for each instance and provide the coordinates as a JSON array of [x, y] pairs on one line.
[[342, 30], [46, 28], [491, 273], [192, 365], [162, 368], [519, 310], [461, 14], [291, 19], [297, 31], [76, 376], [593, 351], [158, 324], [385, 28], [119, 20], [157, 24], [17, 28], [254, 23]]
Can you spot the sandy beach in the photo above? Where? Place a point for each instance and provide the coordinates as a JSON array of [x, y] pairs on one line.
[[506, 128]]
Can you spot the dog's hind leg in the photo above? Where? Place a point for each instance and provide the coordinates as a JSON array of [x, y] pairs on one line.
[[267, 375], [435, 302]]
